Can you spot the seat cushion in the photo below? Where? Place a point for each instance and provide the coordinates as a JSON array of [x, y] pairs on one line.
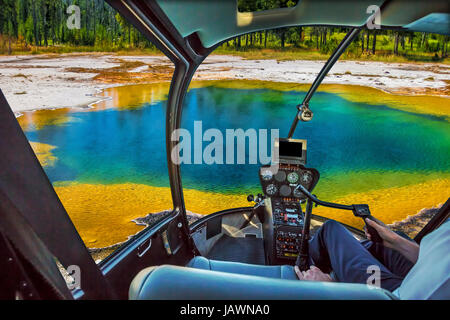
[[181, 283], [277, 272]]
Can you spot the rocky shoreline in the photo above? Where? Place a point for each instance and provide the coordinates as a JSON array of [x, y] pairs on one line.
[[413, 224]]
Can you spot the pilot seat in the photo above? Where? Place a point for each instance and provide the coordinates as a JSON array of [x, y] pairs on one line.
[[204, 279]]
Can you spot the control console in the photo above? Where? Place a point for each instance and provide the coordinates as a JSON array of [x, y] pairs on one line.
[[287, 244], [286, 213], [283, 200], [287, 227]]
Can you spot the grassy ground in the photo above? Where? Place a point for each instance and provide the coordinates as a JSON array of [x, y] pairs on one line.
[[306, 50], [311, 54], [384, 54], [62, 49]]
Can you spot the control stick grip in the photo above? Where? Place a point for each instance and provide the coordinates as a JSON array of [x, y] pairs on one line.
[[363, 211], [374, 236]]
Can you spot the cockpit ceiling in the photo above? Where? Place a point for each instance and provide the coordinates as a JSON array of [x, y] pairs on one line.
[[218, 20]]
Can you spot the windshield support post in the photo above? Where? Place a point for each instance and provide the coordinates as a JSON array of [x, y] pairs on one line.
[[304, 106]]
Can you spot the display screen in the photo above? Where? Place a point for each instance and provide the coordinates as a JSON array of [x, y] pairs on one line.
[[291, 149]]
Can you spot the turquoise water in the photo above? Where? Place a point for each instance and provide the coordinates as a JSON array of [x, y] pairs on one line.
[[118, 146]]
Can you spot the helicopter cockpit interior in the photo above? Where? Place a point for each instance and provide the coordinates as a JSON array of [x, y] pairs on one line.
[[264, 241]]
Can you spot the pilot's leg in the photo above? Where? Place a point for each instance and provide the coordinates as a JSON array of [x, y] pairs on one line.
[[334, 248], [393, 260]]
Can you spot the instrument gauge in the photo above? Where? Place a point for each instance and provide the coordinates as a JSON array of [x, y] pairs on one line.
[[306, 178], [297, 193], [280, 176], [266, 175], [285, 190], [292, 177], [271, 189]]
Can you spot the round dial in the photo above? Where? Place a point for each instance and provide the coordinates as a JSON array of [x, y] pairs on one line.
[[271, 189], [297, 193], [306, 178], [285, 190], [280, 176], [266, 175], [292, 177]]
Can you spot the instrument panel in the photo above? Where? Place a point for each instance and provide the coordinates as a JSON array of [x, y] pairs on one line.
[[287, 213], [281, 183], [288, 221], [287, 216], [283, 203]]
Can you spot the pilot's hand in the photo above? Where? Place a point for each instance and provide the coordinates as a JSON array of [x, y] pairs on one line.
[[313, 274], [377, 221], [390, 238], [381, 223]]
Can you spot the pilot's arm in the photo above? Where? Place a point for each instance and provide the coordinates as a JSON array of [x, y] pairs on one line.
[[392, 240]]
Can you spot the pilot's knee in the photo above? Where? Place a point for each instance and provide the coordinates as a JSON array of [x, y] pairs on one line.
[[332, 225], [329, 227]]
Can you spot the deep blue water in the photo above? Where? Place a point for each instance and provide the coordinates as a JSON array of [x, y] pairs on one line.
[[117, 146]]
